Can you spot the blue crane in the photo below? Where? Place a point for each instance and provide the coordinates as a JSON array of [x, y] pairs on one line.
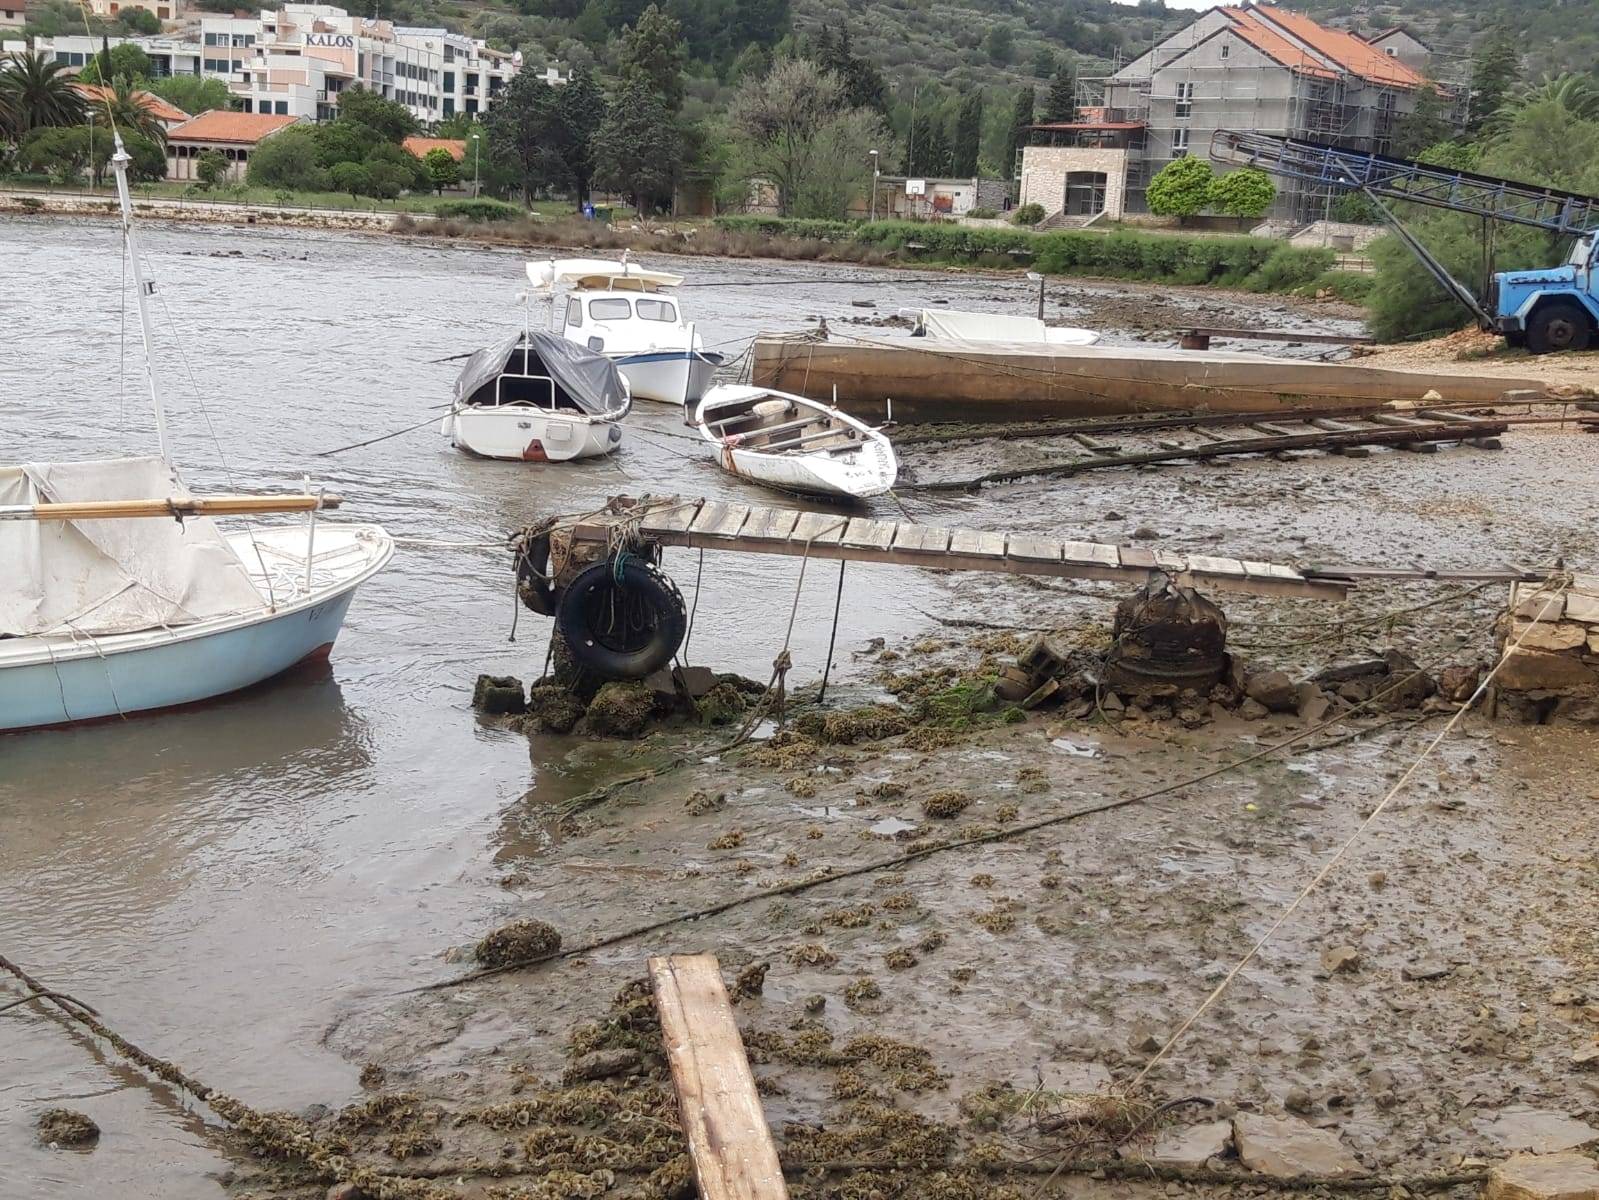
[[1555, 308]]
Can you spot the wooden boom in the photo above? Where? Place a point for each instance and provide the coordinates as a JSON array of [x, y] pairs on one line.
[[191, 506]]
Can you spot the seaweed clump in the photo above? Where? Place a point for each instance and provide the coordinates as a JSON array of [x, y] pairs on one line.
[[66, 1127], [517, 942], [872, 723], [946, 804]]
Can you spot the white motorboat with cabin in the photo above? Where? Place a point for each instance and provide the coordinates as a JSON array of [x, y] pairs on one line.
[[537, 397], [621, 310], [120, 595], [795, 444]]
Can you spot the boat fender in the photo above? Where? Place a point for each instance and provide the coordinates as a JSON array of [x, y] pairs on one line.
[[533, 582], [622, 618]]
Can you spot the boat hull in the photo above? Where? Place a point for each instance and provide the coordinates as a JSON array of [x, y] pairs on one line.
[[935, 380], [668, 376], [528, 435], [864, 472]]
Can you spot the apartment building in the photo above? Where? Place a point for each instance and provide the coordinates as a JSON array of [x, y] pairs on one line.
[[294, 61], [1256, 68]]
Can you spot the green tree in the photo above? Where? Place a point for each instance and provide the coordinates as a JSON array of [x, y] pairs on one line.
[[1426, 125], [1043, 66], [1021, 119], [62, 152], [137, 21], [1180, 189], [967, 136], [861, 80], [1000, 44], [443, 171], [926, 147], [211, 168], [1495, 69], [351, 177], [637, 149], [541, 137], [38, 93], [591, 25], [579, 110], [288, 160], [189, 92], [652, 51], [391, 119], [1246, 192], [344, 141], [129, 109], [386, 180], [127, 60], [407, 167], [751, 63], [796, 130], [1061, 103]]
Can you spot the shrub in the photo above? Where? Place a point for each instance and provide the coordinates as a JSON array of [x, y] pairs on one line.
[[1246, 192], [1289, 267], [211, 168], [1028, 214], [288, 160], [480, 210], [353, 178], [982, 213], [1181, 188]]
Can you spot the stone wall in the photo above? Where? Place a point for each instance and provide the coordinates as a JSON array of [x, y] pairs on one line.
[[1044, 171], [1553, 676]]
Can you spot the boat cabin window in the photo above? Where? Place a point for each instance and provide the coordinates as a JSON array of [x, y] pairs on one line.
[[655, 310], [609, 310], [574, 312]]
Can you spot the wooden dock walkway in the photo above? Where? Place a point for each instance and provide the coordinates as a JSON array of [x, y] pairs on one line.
[[715, 525]]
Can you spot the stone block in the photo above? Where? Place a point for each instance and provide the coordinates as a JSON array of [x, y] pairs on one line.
[[1286, 1148], [1188, 1148], [1531, 599], [1553, 636], [1533, 670], [1582, 608], [1544, 1177], [1541, 1131]]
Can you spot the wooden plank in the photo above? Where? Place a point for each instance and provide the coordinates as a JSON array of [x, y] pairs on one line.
[[1272, 429], [1036, 549], [977, 542], [921, 539], [1260, 570], [1205, 564], [719, 520], [1398, 421], [1092, 552], [770, 524], [819, 529], [675, 518], [729, 1140], [866, 534]]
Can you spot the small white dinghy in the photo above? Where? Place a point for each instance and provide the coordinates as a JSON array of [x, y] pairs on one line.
[[794, 444], [119, 595], [536, 397]]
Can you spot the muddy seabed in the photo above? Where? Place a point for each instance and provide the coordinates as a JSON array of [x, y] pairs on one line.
[[905, 1014]]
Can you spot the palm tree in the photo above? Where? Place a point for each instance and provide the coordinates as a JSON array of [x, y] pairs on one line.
[[130, 110], [38, 93], [1577, 94]]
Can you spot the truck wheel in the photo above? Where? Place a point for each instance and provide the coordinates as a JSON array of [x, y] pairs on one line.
[[1516, 339], [1559, 326]]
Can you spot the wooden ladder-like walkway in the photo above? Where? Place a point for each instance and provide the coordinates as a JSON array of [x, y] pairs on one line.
[[715, 525]]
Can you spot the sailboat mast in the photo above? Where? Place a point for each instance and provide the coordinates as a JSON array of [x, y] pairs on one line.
[[145, 289]]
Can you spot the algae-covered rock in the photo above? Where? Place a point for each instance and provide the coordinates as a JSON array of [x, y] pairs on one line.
[[66, 1127], [516, 942], [946, 804], [722, 705], [619, 710], [552, 708], [498, 694]]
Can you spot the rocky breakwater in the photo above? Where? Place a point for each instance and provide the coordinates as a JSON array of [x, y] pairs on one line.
[[1552, 672]]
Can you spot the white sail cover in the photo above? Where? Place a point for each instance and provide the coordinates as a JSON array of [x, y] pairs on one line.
[[999, 327], [111, 576]]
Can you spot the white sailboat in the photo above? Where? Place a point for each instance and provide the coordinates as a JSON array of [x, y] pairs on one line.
[[110, 606], [794, 444], [620, 310]]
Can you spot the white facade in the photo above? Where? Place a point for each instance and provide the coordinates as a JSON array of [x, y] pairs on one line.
[[296, 60]]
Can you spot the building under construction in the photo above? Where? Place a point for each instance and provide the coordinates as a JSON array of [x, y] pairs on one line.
[[1254, 68]]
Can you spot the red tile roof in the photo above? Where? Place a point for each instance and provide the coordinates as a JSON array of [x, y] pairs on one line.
[[169, 114], [1349, 52], [420, 146], [1274, 45], [220, 126]]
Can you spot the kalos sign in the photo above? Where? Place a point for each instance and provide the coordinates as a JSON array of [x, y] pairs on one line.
[[340, 41]]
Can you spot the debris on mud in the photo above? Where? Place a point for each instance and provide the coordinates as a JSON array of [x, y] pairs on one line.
[[66, 1127], [498, 694], [517, 942], [946, 804]]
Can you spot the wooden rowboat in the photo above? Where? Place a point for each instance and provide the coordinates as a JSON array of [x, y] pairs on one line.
[[934, 379]]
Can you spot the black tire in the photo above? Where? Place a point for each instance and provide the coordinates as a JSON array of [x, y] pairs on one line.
[[622, 623], [1559, 325], [1516, 339], [533, 575]]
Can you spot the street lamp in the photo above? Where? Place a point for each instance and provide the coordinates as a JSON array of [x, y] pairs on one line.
[[477, 165], [875, 174]]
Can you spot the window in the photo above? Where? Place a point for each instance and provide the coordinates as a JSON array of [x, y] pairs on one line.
[[609, 310], [449, 81], [655, 310], [574, 313], [449, 106], [449, 53], [1179, 143], [282, 108], [471, 105], [211, 39], [1185, 100], [1226, 49], [471, 82]]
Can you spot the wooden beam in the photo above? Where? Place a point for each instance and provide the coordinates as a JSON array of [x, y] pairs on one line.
[[728, 1138], [175, 506]]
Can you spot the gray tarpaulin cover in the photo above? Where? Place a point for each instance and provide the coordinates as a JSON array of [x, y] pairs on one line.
[[111, 576], [590, 379]]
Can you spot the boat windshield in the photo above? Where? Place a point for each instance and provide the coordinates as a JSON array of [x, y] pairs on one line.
[[609, 310], [655, 310]]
